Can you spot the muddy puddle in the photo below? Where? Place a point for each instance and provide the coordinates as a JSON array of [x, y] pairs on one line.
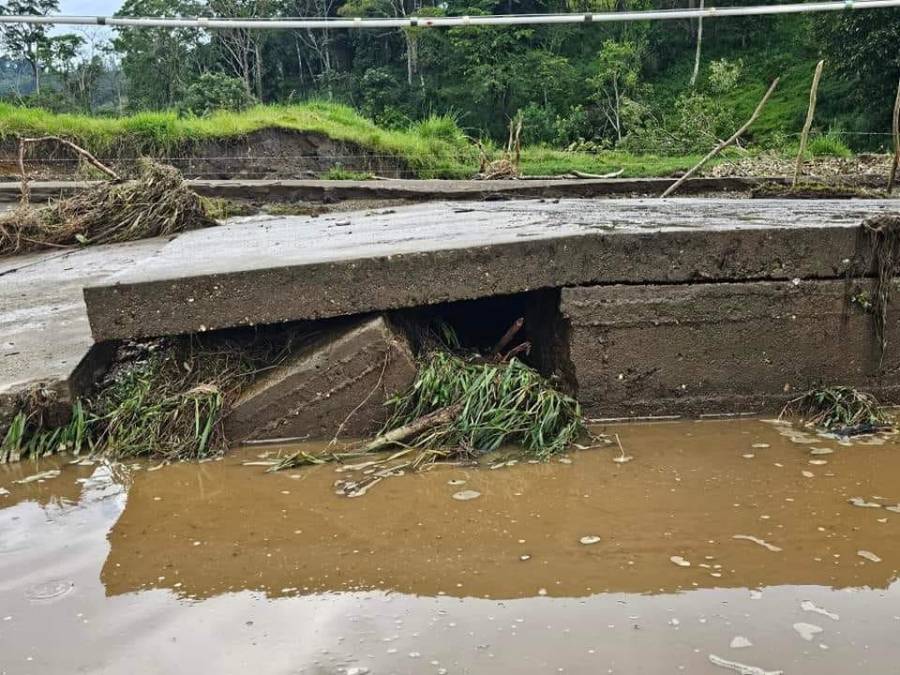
[[719, 544]]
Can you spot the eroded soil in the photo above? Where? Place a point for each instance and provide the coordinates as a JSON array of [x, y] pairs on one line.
[[220, 567]]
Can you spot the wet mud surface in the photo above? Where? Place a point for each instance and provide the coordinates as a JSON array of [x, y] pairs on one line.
[[720, 543]]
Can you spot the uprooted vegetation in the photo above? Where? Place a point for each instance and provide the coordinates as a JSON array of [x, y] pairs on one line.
[[841, 410], [168, 400], [165, 400], [157, 203]]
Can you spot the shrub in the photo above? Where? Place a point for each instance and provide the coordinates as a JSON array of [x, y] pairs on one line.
[[829, 145], [215, 91]]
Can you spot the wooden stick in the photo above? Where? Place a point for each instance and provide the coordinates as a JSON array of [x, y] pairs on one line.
[[509, 335], [72, 146], [414, 428], [724, 144], [26, 189], [807, 125], [896, 133]]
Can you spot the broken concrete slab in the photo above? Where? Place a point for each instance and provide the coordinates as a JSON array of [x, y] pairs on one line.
[[45, 340], [337, 383], [264, 270], [721, 347]]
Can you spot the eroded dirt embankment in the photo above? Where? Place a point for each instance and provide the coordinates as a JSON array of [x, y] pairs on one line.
[[266, 153]]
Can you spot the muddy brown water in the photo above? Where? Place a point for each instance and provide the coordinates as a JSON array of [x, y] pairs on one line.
[[221, 568]]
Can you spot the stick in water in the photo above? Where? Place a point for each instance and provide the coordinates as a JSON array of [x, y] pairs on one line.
[[414, 428], [724, 144], [809, 120]]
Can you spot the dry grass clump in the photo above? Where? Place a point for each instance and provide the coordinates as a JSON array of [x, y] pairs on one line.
[[156, 203]]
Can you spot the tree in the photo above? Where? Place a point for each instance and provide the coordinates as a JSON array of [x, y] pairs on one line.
[[869, 58], [215, 91], [616, 83], [160, 63], [28, 41], [241, 48]]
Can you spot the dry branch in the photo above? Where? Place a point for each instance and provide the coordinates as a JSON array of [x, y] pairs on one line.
[[414, 428], [804, 135], [895, 130], [724, 144]]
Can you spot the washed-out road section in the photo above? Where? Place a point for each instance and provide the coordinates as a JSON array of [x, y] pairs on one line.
[[264, 270]]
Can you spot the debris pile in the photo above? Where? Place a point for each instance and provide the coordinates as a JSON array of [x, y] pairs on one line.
[[844, 411], [157, 203], [163, 399]]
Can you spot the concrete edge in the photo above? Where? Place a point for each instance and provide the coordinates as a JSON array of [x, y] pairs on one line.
[[414, 190]]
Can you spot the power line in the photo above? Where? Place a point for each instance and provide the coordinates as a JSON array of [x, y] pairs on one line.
[[225, 23]]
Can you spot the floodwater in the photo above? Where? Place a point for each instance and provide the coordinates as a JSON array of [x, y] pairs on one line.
[[221, 568]]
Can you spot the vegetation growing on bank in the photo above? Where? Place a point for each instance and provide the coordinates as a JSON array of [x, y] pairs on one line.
[[433, 147]]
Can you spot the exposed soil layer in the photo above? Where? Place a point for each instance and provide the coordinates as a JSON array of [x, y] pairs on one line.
[[216, 566], [266, 153]]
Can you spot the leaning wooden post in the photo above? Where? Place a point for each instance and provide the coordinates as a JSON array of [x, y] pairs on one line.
[[895, 132], [724, 144], [804, 135]]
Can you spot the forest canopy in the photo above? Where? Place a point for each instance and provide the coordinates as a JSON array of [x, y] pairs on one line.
[[630, 86]]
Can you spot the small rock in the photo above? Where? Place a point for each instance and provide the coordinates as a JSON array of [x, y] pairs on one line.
[[821, 451], [622, 459], [748, 455], [807, 474], [818, 462], [466, 495], [456, 481], [681, 562], [590, 539], [740, 642], [524, 557], [760, 446]]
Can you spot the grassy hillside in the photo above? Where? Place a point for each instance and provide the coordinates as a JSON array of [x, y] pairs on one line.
[[778, 126]]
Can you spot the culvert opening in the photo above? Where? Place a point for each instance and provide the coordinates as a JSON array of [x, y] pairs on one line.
[[527, 326]]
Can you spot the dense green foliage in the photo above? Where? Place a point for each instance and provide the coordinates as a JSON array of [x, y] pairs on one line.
[[594, 87]]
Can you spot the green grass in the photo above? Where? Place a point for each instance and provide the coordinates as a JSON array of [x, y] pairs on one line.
[[500, 403], [542, 161], [429, 147], [340, 173], [433, 148]]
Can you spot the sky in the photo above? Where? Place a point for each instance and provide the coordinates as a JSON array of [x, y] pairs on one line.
[[89, 7]]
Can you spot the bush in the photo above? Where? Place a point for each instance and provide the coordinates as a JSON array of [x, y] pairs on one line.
[[829, 145], [439, 127], [215, 91]]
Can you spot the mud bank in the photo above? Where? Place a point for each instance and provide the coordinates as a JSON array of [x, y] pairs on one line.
[[218, 567], [266, 153]]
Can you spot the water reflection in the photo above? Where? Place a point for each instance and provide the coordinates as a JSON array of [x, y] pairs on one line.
[[219, 568]]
